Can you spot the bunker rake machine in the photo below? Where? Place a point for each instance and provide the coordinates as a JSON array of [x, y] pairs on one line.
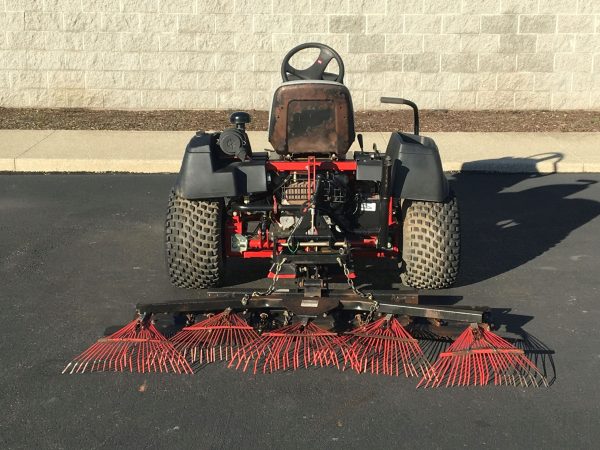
[[312, 211]]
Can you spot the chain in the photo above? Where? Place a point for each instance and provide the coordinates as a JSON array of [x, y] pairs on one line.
[[368, 295], [271, 288], [350, 282], [374, 307]]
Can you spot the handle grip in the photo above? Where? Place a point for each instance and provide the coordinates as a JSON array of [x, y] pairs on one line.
[[403, 101]]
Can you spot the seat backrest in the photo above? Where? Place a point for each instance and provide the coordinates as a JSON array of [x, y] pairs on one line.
[[311, 118]]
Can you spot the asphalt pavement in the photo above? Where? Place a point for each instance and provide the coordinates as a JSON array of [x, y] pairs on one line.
[[78, 251]]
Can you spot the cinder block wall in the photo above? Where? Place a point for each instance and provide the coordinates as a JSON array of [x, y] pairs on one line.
[[151, 54]]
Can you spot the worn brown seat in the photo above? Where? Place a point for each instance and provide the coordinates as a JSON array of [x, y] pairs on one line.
[[311, 117]]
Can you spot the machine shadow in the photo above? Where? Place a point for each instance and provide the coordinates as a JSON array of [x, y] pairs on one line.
[[537, 351], [506, 222], [508, 325]]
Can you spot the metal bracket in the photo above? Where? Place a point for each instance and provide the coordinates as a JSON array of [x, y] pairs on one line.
[[313, 287], [389, 303]]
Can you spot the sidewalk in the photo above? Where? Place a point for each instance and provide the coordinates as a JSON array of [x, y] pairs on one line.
[[160, 151]]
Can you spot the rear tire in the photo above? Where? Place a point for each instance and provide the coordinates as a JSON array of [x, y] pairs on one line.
[[194, 242], [430, 243]]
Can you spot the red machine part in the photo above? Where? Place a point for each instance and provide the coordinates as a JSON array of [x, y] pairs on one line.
[[302, 166], [311, 169], [262, 247]]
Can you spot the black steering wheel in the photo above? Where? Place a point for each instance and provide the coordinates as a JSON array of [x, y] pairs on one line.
[[317, 70]]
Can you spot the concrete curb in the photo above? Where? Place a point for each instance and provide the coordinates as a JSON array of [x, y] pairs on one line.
[[161, 151]]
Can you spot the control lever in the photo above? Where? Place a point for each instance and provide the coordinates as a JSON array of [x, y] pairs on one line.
[[403, 101]]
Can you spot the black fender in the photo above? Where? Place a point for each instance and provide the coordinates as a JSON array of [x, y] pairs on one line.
[[207, 172], [417, 172]]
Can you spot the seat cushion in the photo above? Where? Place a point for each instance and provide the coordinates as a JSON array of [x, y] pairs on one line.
[[311, 117]]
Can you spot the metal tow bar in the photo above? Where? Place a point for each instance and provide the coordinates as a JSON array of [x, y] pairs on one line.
[[388, 304]]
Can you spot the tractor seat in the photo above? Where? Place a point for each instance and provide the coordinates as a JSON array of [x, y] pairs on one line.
[[311, 117]]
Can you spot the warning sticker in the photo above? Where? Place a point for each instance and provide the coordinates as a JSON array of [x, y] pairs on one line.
[[368, 206]]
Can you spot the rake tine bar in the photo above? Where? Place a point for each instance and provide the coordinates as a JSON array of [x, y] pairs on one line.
[[137, 347], [478, 357], [215, 338], [292, 347], [385, 347]]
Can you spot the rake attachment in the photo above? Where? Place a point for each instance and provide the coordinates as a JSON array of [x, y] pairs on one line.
[[292, 347], [385, 347], [217, 337], [477, 357], [137, 347]]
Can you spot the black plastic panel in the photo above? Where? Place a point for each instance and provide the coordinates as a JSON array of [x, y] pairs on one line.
[[368, 169], [206, 172], [417, 172]]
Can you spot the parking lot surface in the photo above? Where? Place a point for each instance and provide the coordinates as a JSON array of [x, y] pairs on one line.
[[78, 251]]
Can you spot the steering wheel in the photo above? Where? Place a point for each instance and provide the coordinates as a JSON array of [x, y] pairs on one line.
[[317, 70]]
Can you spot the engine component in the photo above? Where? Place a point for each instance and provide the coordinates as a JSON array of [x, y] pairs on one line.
[[294, 192], [239, 243], [234, 142], [332, 189], [287, 222]]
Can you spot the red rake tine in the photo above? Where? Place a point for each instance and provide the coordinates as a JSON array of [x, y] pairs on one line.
[[291, 347], [137, 347], [223, 331], [477, 357], [385, 347]]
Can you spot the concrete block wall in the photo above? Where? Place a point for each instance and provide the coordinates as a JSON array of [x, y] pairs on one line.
[[205, 54]]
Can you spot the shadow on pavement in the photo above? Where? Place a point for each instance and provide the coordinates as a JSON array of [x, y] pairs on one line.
[[504, 225], [435, 340], [548, 162], [536, 350]]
